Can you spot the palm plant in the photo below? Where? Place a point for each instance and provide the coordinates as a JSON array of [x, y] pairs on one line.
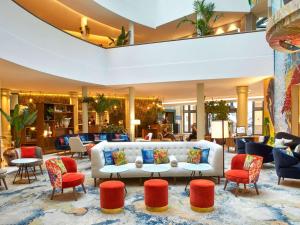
[[205, 13], [20, 118], [121, 40]]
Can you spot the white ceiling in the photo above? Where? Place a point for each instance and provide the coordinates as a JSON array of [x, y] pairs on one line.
[[20, 78]]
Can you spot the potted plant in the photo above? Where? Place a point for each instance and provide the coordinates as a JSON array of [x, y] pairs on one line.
[[121, 40], [21, 117], [205, 18]]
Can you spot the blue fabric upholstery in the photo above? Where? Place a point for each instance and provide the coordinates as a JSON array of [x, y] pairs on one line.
[[241, 145], [293, 144], [148, 156], [204, 154], [265, 151], [286, 166], [107, 153]]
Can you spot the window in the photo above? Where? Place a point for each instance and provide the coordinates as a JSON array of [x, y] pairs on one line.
[[189, 117]]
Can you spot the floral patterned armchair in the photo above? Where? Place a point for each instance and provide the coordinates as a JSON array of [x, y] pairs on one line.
[[64, 176], [242, 175]]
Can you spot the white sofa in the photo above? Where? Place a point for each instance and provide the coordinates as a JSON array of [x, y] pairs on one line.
[[177, 149]]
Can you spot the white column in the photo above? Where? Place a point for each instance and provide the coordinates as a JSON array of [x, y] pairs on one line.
[[85, 112], [131, 33], [74, 101], [84, 23], [5, 105], [200, 112], [14, 100], [242, 106], [131, 113]]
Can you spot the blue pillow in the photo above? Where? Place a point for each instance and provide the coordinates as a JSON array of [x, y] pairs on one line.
[[109, 160], [148, 156], [124, 137], [103, 137], [204, 154], [66, 139], [83, 138]]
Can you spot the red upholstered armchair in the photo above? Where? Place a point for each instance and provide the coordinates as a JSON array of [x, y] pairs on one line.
[[240, 175], [58, 179]]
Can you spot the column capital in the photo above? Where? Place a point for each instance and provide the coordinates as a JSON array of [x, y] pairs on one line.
[[242, 89], [5, 92], [73, 94]]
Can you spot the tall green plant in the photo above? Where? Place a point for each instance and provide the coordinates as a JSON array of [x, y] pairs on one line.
[[218, 109], [20, 118], [204, 21], [121, 40], [103, 103]]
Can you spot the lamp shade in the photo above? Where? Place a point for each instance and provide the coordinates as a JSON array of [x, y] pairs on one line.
[[136, 122], [216, 129]]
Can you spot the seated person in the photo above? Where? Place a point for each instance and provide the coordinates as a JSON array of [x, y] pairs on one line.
[[166, 134], [193, 135]]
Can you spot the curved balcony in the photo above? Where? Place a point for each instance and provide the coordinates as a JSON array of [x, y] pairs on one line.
[[283, 31], [30, 42]]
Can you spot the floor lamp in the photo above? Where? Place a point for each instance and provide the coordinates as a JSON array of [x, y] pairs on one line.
[[219, 130]]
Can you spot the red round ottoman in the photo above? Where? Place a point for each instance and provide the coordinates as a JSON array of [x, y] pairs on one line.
[[112, 195], [202, 195], [156, 195]]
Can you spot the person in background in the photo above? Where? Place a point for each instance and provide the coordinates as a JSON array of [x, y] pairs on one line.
[[193, 135], [167, 134]]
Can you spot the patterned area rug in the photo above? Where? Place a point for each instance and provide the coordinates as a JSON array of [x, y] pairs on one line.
[[31, 204]]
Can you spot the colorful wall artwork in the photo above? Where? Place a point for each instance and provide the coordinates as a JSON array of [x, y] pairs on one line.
[[269, 109], [287, 73]]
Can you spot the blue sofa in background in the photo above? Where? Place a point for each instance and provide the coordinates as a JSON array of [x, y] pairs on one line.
[[260, 149], [62, 142], [286, 166]]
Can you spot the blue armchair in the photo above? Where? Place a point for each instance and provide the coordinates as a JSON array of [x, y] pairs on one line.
[[241, 145], [286, 166], [265, 151]]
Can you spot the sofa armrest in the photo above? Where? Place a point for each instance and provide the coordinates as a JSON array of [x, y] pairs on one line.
[[173, 161], [97, 159], [139, 162]]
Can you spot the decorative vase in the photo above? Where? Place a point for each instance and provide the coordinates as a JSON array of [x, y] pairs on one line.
[[66, 122]]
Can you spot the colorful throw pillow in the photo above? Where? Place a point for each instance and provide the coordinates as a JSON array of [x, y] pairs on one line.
[[248, 161], [66, 139], [28, 152], [148, 156], [61, 141], [289, 152], [103, 137], [58, 161], [96, 137], [119, 158], [117, 136], [204, 154], [160, 156], [83, 138], [109, 160], [194, 156]]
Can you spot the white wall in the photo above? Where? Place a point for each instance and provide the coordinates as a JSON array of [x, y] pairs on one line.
[[231, 56], [154, 13], [27, 41]]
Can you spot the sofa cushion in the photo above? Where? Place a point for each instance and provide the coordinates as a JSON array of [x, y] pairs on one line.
[[119, 158], [28, 152], [107, 153], [72, 179], [148, 156], [96, 137], [161, 156], [194, 155], [103, 137]]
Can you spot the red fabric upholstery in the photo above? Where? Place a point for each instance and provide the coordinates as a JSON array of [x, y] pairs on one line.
[[70, 164], [72, 179], [238, 176], [156, 193], [237, 162], [28, 152], [202, 193], [112, 194], [146, 137]]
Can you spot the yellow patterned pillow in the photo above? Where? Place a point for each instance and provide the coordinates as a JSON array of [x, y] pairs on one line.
[[119, 158], [161, 156], [194, 156]]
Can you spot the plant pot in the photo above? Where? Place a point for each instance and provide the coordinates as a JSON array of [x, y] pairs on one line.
[[66, 122]]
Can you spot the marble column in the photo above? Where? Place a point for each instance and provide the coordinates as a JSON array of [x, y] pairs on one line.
[[200, 112], [5, 126], [131, 33], [85, 112], [74, 101], [242, 106]]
